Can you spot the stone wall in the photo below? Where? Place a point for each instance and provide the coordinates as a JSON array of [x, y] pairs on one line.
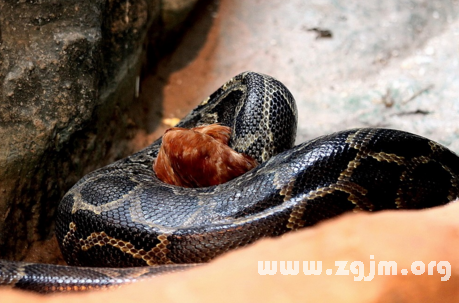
[[69, 80]]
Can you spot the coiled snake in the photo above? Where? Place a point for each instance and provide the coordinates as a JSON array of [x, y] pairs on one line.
[[123, 216]]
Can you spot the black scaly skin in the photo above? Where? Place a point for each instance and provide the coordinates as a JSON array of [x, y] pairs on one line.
[[123, 216]]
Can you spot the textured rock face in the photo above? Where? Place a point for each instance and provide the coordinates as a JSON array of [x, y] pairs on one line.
[[69, 73]]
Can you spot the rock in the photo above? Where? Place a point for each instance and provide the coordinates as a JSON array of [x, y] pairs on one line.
[[403, 237], [69, 78]]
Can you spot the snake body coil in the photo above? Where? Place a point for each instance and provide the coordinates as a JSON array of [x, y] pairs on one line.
[[123, 216]]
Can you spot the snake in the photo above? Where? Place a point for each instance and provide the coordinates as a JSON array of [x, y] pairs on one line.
[[121, 224]]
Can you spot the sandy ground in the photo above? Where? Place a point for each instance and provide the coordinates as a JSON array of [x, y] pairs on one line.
[[348, 63]]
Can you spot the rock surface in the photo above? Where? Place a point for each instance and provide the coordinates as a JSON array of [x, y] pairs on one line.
[[404, 237], [69, 74], [383, 63]]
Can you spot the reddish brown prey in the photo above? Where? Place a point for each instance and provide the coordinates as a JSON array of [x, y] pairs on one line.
[[199, 157]]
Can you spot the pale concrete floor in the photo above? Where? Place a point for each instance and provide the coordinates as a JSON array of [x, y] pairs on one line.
[[387, 63]]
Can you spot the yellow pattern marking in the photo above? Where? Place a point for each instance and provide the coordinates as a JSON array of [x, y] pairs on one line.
[[156, 255]]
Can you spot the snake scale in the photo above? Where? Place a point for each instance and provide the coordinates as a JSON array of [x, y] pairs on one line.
[[120, 218]]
